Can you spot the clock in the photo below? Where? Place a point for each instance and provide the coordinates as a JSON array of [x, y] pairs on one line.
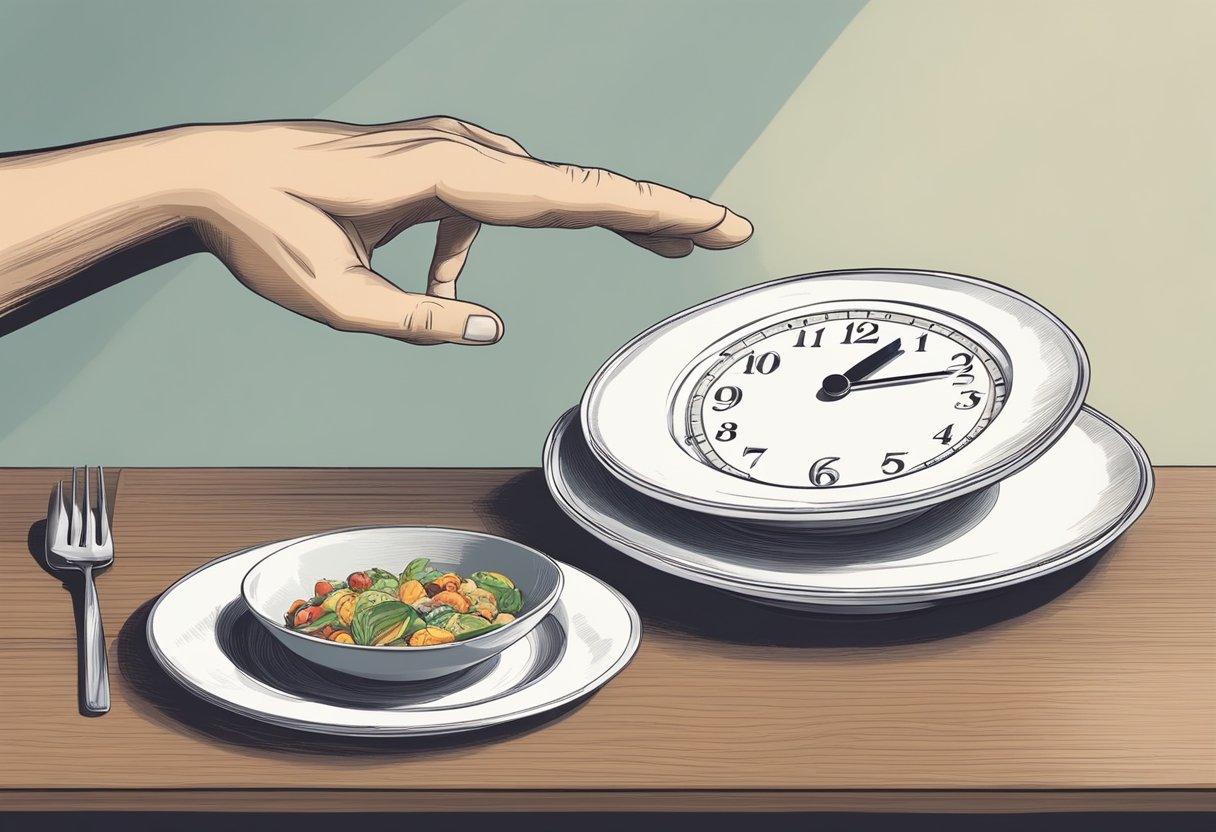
[[836, 399]]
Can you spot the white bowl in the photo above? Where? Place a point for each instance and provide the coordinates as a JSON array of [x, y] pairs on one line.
[[289, 573]]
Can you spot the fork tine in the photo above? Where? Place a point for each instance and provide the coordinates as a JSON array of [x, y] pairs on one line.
[[74, 517], [57, 518], [103, 516], [90, 524]]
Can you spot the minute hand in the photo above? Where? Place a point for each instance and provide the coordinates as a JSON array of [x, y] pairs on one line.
[[892, 381]]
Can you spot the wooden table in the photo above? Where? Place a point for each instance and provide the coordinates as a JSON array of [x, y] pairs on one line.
[[1094, 689]]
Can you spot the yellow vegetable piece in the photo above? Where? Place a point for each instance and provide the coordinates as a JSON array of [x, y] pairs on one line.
[[346, 608], [431, 635], [411, 591], [342, 637], [482, 602], [330, 604], [503, 618], [481, 596]]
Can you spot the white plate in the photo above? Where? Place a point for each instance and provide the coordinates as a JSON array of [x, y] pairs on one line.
[[633, 409], [203, 635], [1076, 499]]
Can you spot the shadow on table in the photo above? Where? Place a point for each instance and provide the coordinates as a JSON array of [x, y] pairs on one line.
[[152, 692], [523, 510]]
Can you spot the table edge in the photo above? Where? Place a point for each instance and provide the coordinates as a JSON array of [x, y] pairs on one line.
[[1010, 801]]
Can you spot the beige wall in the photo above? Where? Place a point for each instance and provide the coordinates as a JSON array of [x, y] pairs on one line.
[[1064, 148]]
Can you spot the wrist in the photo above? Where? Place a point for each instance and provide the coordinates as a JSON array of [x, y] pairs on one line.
[[74, 206], [185, 172]]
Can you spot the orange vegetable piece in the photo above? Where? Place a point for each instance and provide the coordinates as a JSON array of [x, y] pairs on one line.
[[431, 635], [307, 614], [411, 591], [449, 582], [453, 599]]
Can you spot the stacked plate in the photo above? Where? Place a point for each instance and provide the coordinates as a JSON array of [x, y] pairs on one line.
[[1063, 484]]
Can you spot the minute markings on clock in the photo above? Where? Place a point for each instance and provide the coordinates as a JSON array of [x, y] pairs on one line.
[[771, 405]]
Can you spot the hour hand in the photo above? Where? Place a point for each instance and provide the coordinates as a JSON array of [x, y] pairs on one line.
[[837, 385]]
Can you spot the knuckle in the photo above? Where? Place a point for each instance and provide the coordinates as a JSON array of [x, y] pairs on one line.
[[580, 175], [449, 148], [453, 124], [420, 320], [449, 124]]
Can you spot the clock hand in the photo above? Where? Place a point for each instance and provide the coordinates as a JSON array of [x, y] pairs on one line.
[[837, 385], [873, 361], [892, 381]]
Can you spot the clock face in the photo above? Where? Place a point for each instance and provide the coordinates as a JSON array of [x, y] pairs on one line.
[[842, 398], [836, 399]]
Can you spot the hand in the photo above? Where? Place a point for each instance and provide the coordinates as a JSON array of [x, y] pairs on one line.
[[837, 385], [295, 210]]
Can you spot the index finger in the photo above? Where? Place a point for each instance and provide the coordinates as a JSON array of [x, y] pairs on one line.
[[514, 190]]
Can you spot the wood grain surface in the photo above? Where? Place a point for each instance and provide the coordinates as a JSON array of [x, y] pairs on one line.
[[1091, 689]]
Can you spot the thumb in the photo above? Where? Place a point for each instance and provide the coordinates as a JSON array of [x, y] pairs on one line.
[[362, 301]]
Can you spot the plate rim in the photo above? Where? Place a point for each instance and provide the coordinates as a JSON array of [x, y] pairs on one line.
[[844, 510], [628, 652], [863, 597]]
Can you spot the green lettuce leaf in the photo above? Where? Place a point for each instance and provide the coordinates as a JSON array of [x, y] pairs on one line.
[[467, 626], [508, 597], [438, 616], [329, 618], [389, 619], [481, 631], [419, 569], [388, 585], [415, 569]]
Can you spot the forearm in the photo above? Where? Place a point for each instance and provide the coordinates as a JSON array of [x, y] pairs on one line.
[[64, 210]]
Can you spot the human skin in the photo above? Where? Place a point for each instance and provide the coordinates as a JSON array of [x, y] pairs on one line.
[[296, 209]]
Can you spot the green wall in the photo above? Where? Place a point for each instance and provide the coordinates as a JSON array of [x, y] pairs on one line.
[[974, 136]]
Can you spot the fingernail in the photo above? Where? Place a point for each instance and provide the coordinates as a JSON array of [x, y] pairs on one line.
[[481, 328], [732, 231]]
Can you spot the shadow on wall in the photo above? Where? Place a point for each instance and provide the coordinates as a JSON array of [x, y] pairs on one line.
[[102, 275]]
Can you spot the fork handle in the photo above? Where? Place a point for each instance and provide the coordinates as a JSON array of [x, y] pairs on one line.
[[96, 671]]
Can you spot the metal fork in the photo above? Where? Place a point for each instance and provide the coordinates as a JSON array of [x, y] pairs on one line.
[[78, 538]]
